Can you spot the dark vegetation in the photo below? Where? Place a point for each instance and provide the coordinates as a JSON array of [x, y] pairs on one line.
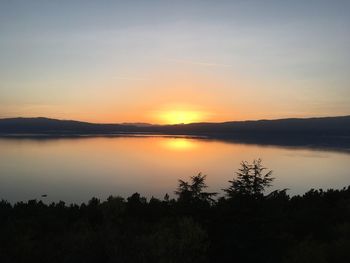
[[247, 225]]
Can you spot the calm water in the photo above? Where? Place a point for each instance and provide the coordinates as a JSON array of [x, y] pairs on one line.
[[74, 170]]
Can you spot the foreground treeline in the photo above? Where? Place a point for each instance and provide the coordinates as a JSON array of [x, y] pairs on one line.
[[197, 226]]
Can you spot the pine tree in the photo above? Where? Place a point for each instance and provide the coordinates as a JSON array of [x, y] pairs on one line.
[[251, 180]]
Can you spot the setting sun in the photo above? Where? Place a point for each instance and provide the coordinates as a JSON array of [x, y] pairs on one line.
[[177, 117]]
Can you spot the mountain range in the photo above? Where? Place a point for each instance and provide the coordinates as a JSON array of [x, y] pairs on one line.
[[323, 126], [324, 132]]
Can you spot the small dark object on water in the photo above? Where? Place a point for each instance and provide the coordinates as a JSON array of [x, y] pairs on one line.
[[43, 195]]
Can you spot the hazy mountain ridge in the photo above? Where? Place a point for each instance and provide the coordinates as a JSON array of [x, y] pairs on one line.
[[320, 126]]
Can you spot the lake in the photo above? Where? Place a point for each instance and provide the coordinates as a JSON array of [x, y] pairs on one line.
[[76, 169]]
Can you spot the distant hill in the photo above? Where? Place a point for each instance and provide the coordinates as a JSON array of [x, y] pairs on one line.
[[312, 126], [325, 126], [53, 126], [138, 124]]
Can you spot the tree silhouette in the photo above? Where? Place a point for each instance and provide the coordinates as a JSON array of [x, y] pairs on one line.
[[313, 227], [250, 180], [193, 191]]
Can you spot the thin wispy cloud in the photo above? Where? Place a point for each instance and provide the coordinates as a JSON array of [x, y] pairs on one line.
[[130, 78], [200, 63]]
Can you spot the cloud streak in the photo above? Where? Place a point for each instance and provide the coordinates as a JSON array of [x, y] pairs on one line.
[[200, 63], [129, 78]]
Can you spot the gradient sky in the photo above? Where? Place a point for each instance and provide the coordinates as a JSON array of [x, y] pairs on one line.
[[128, 61]]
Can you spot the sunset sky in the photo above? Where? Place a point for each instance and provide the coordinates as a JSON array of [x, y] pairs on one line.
[[174, 61]]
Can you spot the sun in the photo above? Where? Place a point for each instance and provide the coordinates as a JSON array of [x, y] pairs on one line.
[[179, 117]]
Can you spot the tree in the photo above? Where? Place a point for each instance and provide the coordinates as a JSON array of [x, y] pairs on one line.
[[251, 180], [194, 191], [180, 240]]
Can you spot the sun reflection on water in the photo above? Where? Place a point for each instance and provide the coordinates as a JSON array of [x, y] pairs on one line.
[[179, 144]]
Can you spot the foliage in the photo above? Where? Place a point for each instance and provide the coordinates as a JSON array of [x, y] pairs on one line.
[[250, 180], [194, 191], [314, 227]]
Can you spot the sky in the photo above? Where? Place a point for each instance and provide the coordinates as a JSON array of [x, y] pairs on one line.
[[174, 61]]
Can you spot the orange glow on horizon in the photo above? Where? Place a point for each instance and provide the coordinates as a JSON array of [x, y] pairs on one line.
[[180, 116]]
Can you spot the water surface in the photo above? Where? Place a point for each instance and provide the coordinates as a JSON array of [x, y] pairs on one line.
[[75, 169]]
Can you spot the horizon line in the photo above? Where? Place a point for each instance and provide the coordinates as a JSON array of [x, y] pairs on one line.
[[155, 124]]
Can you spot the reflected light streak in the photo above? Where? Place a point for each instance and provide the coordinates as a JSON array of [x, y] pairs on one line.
[[179, 144]]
